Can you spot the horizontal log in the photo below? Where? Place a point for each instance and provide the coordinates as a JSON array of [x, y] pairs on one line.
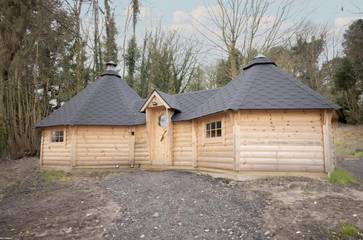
[[282, 155], [281, 148], [103, 145], [274, 167], [215, 159], [216, 165], [287, 161]]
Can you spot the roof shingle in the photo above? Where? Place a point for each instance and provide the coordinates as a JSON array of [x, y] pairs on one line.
[[261, 85]]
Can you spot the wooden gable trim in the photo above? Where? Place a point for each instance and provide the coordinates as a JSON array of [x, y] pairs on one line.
[[156, 95]]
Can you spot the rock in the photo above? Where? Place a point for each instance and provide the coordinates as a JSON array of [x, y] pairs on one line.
[[206, 230], [43, 234], [267, 233], [68, 230], [298, 232], [142, 236], [155, 215]]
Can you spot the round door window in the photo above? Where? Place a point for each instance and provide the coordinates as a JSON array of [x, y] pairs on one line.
[[163, 121]]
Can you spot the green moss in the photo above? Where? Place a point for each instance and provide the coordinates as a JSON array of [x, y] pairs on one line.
[[349, 230], [342, 177], [358, 154], [54, 175]]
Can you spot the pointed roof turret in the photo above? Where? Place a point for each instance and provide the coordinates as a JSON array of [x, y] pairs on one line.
[[261, 85], [107, 101]]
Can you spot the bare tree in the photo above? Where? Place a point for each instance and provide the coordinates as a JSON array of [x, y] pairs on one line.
[[241, 28]]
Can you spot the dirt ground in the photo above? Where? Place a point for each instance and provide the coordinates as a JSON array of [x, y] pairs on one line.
[[170, 205]]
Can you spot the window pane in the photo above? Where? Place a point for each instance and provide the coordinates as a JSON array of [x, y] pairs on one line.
[[208, 126], [57, 136], [213, 125], [208, 134], [213, 134], [219, 132], [219, 124]]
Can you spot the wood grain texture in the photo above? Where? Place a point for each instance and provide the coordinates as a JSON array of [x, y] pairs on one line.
[[182, 144], [279, 140]]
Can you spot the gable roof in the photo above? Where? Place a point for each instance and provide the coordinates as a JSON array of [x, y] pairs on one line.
[[107, 101], [261, 85], [167, 99]]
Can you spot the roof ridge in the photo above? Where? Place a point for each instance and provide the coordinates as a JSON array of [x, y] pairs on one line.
[[306, 88], [249, 86], [198, 91]]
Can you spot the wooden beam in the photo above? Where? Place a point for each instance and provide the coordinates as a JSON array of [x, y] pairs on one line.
[[194, 144], [236, 140], [74, 146], [41, 147], [329, 162], [149, 132], [132, 146], [169, 114]]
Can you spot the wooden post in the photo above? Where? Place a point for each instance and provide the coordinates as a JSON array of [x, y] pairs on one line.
[[149, 133], [169, 114], [236, 140], [132, 146], [194, 143], [327, 141], [74, 146], [41, 147]]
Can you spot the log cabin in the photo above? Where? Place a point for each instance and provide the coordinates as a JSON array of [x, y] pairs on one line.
[[263, 120]]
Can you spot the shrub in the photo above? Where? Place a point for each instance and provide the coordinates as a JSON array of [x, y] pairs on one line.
[[342, 177], [349, 230]]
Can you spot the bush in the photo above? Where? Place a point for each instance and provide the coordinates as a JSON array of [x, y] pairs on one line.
[[342, 177], [349, 230]]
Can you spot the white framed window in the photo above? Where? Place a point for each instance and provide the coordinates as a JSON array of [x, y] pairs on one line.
[[213, 129], [57, 136]]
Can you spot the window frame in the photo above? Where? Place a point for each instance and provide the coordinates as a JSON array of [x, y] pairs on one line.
[[213, 130], [57, 135]]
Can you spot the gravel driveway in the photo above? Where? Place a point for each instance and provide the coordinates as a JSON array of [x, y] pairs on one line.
[[179, 205], [170, 205]]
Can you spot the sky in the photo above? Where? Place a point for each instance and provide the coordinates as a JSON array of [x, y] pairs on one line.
[[179, 14]]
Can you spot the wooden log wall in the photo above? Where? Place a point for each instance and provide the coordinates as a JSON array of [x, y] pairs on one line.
[[281, 140], [55, 154], [182, 143], [254, 140], [215, 152], [141, 145], [102, 145]]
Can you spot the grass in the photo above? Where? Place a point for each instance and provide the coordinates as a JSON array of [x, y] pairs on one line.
[[342, 177], [54, 175], [58, 175], [349, 230], [358, 154]]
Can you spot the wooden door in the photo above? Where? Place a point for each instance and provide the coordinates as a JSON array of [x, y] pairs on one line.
[[159, 135]]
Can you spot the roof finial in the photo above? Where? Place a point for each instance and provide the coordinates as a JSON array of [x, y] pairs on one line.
[[110, 65], [260, 56]]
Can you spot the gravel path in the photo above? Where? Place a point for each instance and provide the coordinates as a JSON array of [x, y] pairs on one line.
[[179, 205]]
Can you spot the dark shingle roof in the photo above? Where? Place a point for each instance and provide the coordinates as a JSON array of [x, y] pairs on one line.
[[107, 101], [169, 99], [261, 85]]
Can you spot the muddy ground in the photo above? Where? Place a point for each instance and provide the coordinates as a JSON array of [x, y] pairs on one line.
[[170, 205]]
